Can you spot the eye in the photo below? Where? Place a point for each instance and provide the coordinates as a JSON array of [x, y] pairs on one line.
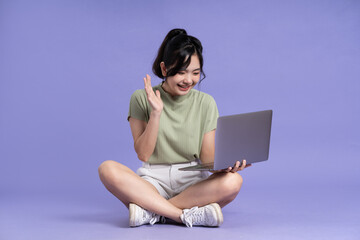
[[181, 73], [196, 73]]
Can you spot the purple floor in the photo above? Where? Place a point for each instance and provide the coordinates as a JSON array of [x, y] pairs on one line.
[[282, 213]]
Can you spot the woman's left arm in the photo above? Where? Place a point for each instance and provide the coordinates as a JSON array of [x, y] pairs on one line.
[[207, 154]]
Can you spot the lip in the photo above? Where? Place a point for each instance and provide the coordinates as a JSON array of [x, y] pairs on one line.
[[184, 89]]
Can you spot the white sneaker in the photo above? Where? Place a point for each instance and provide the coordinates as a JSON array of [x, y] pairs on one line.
[[139, 216], [209, 215]]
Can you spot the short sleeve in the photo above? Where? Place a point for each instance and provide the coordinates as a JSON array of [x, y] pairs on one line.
[[211, 115], [138, 106]]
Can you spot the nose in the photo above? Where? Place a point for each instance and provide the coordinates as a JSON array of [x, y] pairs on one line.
[[187, 79]]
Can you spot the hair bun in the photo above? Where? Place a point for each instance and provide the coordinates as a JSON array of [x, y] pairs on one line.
[[175, 32]]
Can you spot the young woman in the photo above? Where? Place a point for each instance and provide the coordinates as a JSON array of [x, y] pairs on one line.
[[173, 125]]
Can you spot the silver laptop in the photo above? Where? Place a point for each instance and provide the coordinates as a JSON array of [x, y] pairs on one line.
[[242, 136]]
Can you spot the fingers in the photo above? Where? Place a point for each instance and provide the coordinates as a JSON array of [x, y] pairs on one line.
[[147, 81], [239, 167], [148, 88], [236, 167], [153, 97], [243, 164], [147, 85], [148, 78]]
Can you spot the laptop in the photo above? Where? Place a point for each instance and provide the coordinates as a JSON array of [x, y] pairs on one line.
[[237, 137]]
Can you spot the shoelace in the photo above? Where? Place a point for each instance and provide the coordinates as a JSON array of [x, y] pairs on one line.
[[193, 216], [153, 217], [156, 218]]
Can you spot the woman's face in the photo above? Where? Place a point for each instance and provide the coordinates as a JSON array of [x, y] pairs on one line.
[[184, 80]]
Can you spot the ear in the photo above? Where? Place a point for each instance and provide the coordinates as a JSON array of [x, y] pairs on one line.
[[163, 69]]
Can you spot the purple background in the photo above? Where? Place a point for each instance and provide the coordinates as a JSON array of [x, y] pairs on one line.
[[68, 69]]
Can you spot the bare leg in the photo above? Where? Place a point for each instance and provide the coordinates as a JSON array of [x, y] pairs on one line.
[[221, 188], [128, 187]]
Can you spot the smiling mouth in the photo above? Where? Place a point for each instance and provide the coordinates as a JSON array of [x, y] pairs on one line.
[[184, 87]]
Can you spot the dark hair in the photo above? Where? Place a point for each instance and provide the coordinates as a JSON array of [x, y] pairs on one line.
[[176, 51]]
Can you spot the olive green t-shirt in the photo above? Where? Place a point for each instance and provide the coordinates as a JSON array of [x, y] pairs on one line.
[[183, 123]]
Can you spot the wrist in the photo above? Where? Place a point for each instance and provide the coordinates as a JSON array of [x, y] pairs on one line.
[[155, 114]]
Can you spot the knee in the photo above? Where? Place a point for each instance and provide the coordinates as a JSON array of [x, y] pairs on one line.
[[231, 184], [105, 167], [107, 171]]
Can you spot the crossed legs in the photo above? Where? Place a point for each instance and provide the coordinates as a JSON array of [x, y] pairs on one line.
[[128, 187]]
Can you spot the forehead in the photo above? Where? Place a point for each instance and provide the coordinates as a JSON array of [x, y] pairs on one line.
[[194, 63]]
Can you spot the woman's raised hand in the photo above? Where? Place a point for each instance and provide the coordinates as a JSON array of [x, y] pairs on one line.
[[154, 99]]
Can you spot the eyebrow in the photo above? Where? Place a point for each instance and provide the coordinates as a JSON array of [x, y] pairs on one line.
[[197, 69]]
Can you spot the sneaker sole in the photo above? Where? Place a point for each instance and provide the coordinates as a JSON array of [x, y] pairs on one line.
[[220, 217]]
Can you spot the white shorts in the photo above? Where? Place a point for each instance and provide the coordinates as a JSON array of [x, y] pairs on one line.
[[168, 179]]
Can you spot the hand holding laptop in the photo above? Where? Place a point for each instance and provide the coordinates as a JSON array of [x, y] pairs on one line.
[[235, 168], [240, 136]]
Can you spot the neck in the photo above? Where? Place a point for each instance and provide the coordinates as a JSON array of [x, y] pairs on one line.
[[165, 87]]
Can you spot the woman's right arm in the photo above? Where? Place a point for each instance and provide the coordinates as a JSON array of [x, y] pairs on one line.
[[145, 134]]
